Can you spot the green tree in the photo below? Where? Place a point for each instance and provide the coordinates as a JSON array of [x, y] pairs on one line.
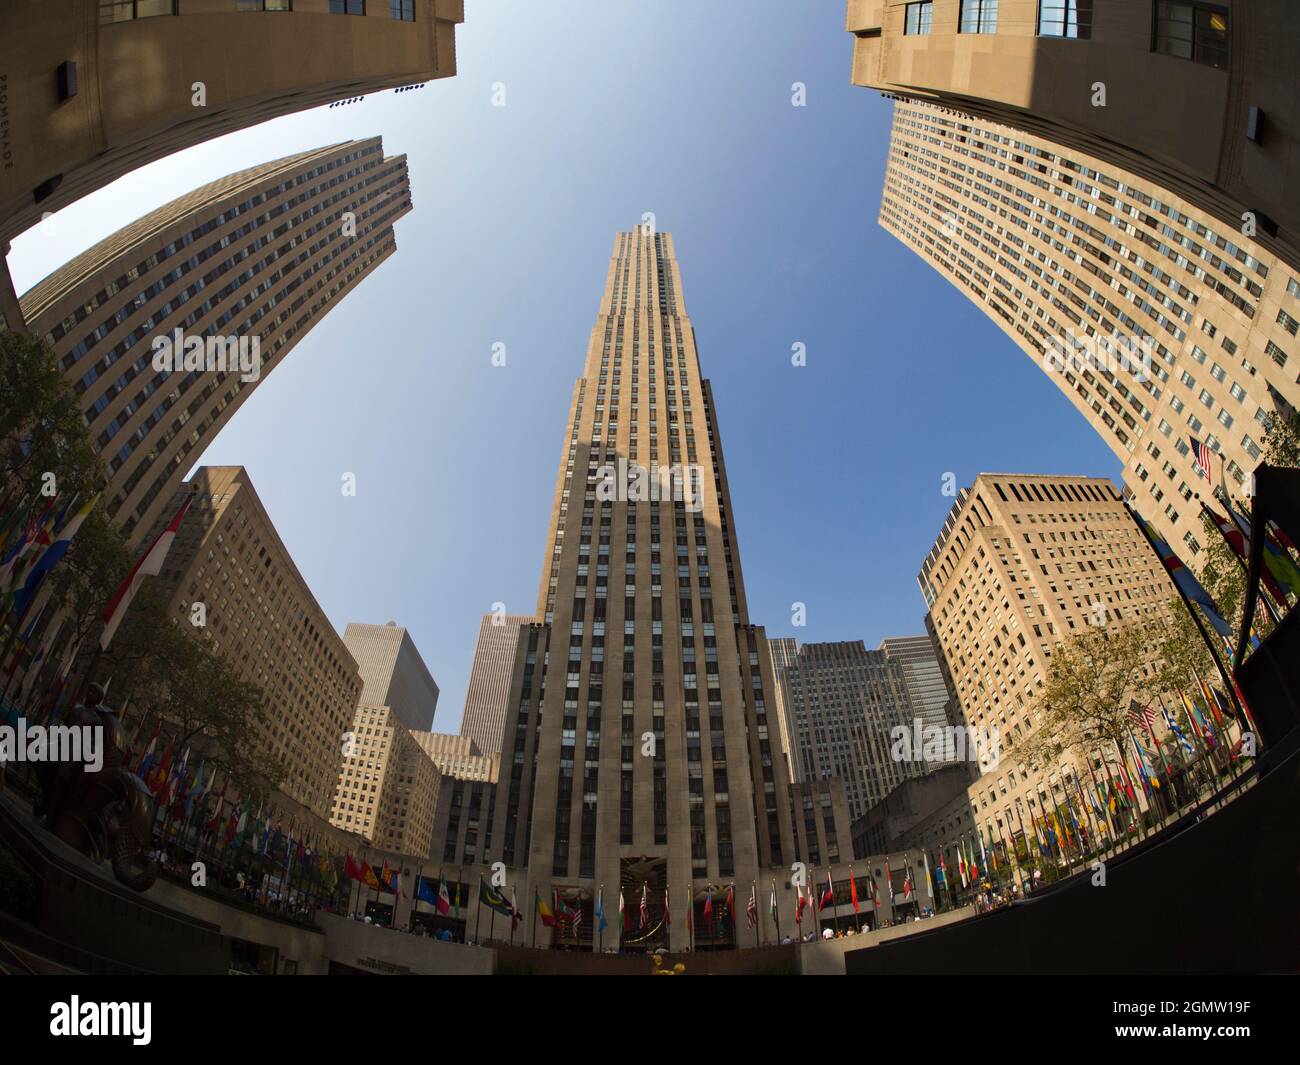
[[42, 430], [177, 674], [1282, 438], [1092, 677]]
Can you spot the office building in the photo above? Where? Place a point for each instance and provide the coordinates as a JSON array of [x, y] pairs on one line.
[[264, 621], [488, 694], [842, 705], [1195, 98], [641, 749], [1022, 563], [92, 89], [166, 327], [387, 790], [1167, 330], [395, 675]]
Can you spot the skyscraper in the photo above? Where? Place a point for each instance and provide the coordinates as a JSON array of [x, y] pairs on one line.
[[488, 694], [1195, 97], [927, 690], [640, 748], [243, 266], [1167, 330], [842, 703], [92, 89], [1021, 563], [783, 650], [393, 673]]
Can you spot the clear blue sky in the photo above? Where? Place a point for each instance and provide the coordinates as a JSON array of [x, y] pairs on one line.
[[683, 108]]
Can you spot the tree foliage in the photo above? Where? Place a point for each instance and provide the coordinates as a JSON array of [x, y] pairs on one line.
[[42, 430], [1092, 677]]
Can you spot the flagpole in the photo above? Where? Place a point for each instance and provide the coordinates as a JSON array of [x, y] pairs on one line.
[[600, 921], [478, 909], [1191, 609], [753, 894]]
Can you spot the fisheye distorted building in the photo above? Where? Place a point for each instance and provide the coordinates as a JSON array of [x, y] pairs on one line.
[[246, 263], [641, 749], [1166, 329], [1022, 563], [95, 88], [260, 613], [1196, 97]]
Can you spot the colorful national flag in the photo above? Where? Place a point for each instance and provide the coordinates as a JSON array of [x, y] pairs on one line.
[[148, 565]]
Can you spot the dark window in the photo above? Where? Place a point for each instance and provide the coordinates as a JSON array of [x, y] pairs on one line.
[[126, 10], [264, 5], [348, 7], [403, 10], [1198, 32], [1065, 18]]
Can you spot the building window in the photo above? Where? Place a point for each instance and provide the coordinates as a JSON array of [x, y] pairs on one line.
[[403, 10], [1194, 31], [348, 7], [264, 5], [126, 10], [917, 17], [1065, 18], [978, 16]]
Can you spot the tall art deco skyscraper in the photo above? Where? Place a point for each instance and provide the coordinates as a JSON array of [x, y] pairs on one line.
[[641, 748]]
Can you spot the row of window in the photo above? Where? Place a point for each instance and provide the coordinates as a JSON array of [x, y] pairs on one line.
[[111, 11], [1187, 30]]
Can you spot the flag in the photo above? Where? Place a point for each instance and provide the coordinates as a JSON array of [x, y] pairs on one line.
[[907, 885], [731, 904], [751, 911], [543, 911], [622, 910], [889, 882], [943, 868], [853, 890], [51, 557], [1186, 582], [929, 883], [1202, 454], [800, 902], [444, 902], [149, 564], [645, 909], [497, 902], [828, 896], [423, 891], [773, 902], [668, 917], [601, 924], [708, 911]]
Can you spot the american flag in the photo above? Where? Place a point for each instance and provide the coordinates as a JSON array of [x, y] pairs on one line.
[[1202, 454], [1141, 716], [751, 911], [645, 910], [577, 915]]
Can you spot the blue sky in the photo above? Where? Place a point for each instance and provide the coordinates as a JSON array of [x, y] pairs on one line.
[[678, 107]]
